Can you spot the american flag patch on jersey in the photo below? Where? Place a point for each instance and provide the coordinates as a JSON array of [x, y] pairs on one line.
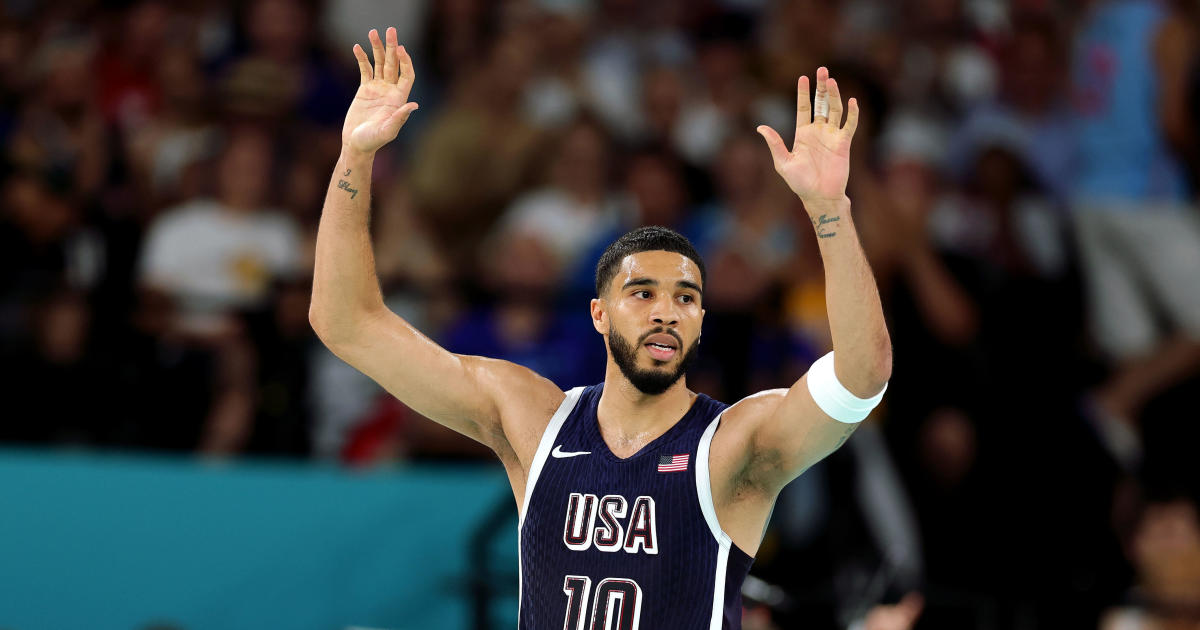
[[672, 463]]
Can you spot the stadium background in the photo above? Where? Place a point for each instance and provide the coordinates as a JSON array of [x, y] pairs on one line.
[[177, 450]]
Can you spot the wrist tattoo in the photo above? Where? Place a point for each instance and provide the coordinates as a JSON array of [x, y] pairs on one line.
[[824, 224], [345, 185]]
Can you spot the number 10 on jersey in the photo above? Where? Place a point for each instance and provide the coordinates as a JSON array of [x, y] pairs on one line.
[[617, 603]]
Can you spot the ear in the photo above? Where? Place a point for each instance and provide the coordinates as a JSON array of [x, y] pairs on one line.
[[599, 316], [701, 333]]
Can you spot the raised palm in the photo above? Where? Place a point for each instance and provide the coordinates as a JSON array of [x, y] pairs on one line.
[[818, 165], [381, 105]]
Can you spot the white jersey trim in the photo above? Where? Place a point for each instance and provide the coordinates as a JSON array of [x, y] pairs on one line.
[[709, 509], [704, 483], [535, 469], [545, 446]]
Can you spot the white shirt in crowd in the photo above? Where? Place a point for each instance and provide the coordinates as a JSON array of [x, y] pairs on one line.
[[211, 259]]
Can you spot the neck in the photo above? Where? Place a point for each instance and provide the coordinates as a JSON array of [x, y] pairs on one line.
[[627, 414]]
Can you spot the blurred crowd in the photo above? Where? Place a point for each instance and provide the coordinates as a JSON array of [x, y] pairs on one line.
[[1023, 180]]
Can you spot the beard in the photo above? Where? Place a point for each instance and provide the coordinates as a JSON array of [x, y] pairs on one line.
[[649, 381]]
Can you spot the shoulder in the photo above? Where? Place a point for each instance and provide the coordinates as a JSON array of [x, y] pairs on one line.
[[525, 403], [754, 407], [734, 438]]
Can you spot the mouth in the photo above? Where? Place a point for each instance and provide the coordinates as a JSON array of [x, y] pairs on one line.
[[661, 346]]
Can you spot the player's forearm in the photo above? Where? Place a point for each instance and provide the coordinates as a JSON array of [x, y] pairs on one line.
[[345, 287], [863, 348]]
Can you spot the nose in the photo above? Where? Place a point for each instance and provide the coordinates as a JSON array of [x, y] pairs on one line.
[[664, 312]]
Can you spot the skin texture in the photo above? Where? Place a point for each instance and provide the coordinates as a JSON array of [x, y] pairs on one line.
[[763, 442]]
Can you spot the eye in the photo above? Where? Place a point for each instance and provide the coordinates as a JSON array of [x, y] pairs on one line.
[[642, 294], [686, 299]]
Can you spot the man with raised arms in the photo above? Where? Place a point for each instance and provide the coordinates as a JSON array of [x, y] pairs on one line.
[[641, 502]]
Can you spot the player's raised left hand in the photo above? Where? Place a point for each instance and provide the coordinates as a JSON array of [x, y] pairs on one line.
[[817, 167], [381, 105]]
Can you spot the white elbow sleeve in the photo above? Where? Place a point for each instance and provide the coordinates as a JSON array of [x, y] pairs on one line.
[[833, 398]]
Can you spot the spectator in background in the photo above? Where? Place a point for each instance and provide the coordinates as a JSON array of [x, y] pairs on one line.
[[130, 91], [749, 237], [557, 95], [164, 151], [279, 77], [216, 256], [729, 97], [1031, 110], [576, 201], [59, 128], [57, 361], [478, 152], [172, 390], [44, 246], [654, 182], [626, 37], [1139, 235], [1164, 547], [520, 272]]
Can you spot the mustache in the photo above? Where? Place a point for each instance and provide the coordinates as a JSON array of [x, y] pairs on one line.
[[660, 329]]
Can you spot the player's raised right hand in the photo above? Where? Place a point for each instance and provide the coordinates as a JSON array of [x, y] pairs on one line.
[[381, 105]]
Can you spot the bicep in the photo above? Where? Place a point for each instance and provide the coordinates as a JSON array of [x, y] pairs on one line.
[[464, 393], [794, 433]]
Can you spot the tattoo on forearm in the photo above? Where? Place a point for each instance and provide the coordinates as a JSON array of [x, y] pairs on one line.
[[824, 224], [845, 436], [345, 185]]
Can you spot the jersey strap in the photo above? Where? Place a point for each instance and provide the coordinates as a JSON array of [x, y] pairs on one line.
[[545, 445], [708, 508]]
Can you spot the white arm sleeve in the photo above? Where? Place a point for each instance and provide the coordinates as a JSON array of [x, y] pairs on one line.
[[833, 398]]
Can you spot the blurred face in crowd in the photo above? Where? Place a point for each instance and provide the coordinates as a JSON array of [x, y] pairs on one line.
[[68, 85], [662, 99], [279, 29], [658, 190], [1032, 72], [998, 173], [741, 168], [145, 29], [651, 317], [521, 267], [41, 215], [62, 328], [180, 79], [1166, 551], [244, 171], [509, 67], [582, 162]]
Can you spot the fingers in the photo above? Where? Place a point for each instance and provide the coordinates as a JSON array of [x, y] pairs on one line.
[[364, 65], [779, 152], [376, 52], [835, 103], [398, 118], [821, 102], [390, 65], [406, 66], [803, 105], [851, 118]]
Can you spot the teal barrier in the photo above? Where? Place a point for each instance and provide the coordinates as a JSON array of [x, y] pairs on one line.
[[123, 542]]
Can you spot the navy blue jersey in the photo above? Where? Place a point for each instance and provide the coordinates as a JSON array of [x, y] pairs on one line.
[[622, 544]]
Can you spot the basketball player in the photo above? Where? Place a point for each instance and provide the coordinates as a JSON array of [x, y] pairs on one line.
[[641, 502]]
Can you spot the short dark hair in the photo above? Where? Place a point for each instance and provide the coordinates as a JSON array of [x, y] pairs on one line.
[[643, 239]]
